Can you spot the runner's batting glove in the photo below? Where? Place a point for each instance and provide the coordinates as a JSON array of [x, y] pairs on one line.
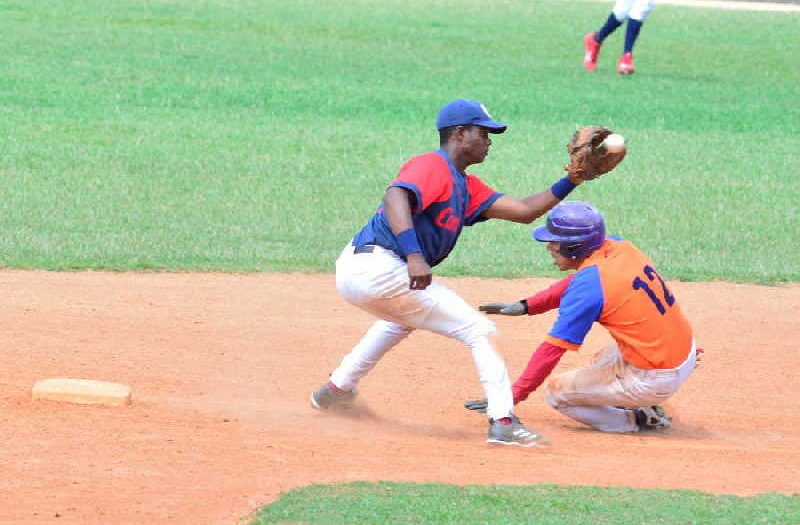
[[477, 405], [518, 308]]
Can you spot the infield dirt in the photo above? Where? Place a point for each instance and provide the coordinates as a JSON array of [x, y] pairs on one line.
[[222, 365]]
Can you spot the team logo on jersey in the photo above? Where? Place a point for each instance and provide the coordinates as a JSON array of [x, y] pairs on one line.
[[447, 220]]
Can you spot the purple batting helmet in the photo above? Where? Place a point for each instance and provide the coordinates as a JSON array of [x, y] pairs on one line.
[[578, 226]]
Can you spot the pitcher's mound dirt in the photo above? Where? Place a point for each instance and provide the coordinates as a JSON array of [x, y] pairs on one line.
[[223, 365]]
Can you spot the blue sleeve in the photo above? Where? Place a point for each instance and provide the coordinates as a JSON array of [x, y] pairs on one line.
[[417, 207], [580, 307]]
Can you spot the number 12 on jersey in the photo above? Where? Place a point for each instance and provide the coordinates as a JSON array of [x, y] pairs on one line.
[[652, 275]]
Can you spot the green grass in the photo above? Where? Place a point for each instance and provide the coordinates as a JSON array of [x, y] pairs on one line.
[[245, 135], [399, 503], [259, 135]]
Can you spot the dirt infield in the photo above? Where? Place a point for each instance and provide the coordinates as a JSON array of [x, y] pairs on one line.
[[221, 367]]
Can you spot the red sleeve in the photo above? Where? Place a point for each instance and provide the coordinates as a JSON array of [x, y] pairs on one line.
[[479, 193], [548, 298], [539, 367], [428, 177]]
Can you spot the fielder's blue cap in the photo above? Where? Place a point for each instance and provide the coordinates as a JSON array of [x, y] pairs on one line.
[[464, 112]]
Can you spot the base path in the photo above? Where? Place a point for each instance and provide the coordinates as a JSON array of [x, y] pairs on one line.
[[222, 366]]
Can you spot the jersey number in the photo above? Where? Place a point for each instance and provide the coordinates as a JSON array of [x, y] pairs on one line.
[[652, 275]]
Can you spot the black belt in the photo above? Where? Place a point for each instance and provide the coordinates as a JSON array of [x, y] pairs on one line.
[[365, 248]]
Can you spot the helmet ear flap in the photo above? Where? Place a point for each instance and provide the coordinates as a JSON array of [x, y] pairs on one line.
[[569, 250]]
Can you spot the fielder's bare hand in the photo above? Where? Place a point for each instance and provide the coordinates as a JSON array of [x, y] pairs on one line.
[[420, 274]]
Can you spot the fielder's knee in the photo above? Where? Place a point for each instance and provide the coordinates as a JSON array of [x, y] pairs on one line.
[[480, 328]]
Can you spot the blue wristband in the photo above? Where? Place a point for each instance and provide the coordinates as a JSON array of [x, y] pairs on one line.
[[408, 242], [562, 188]]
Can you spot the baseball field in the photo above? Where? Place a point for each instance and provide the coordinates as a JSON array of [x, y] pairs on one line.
[[178, 177]]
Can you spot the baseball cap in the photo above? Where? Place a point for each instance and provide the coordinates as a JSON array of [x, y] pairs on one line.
[[464, 112]]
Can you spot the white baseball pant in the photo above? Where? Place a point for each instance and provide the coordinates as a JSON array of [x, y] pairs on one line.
[[598, 394], [377, 282], [636, 9]]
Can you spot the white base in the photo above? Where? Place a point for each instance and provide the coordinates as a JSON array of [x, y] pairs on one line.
[[83, 391]]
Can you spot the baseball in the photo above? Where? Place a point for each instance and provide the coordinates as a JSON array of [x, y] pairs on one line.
[[614, 143]]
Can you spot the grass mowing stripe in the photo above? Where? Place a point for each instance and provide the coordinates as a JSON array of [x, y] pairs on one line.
[[254, 135], [403, 503]]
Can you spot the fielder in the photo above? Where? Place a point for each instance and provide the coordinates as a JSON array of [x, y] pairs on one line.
[[386, 268], [617, 286], [635, 12]]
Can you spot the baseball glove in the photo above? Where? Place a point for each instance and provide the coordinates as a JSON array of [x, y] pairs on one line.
[[588, 156]]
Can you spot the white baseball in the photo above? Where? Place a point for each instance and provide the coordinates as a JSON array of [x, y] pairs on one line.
[[614, 143]]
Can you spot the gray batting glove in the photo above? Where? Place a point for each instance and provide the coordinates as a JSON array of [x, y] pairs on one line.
[[477, 405], [518, 308]]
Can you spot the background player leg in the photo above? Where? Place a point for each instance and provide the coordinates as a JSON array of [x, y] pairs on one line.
[[593, 41], [637, 13], [625, 63]]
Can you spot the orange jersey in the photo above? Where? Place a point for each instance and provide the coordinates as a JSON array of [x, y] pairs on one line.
[[618, 287]]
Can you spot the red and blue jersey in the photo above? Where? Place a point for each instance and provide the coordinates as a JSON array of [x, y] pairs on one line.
[[618, 287], [445, 200]]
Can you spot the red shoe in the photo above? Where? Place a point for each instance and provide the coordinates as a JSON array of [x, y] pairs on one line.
[[590, 51], [625, 64]]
